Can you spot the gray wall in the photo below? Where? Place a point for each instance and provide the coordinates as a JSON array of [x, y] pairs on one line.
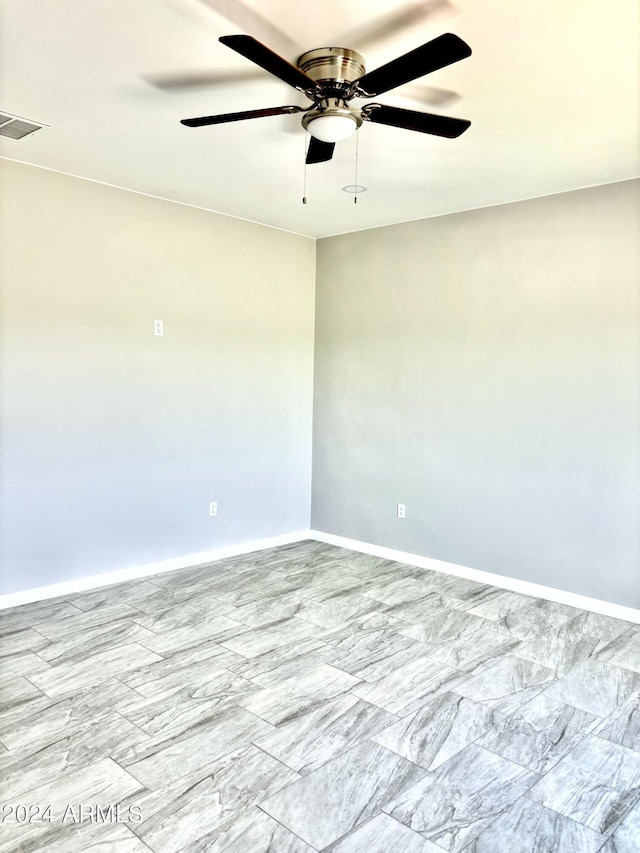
[[483, 368], [114, 441]]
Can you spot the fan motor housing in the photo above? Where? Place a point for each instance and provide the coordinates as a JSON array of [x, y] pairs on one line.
[[332, 64]]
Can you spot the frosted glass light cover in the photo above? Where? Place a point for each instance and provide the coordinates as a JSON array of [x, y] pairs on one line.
[[332, 128]]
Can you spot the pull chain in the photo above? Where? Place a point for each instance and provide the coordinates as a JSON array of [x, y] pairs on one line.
[[355, 195], [304, 182]]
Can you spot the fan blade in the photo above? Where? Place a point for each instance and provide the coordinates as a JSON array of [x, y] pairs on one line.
[[442, 51], [387, 26], [412, 120], [225, 117], [319, 152], [257, 52]]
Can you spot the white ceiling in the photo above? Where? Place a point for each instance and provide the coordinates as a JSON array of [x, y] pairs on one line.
[[552, 90]]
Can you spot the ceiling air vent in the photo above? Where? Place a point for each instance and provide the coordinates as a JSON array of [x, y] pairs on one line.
[[17, 128]]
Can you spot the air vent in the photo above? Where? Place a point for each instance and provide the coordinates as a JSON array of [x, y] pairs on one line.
[[15, 127]]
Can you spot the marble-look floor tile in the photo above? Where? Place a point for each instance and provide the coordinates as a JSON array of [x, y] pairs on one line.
[[22, 665], [462, 589], [624, 839], [165, 759], [423, 609], [128, 592], [371, 654], [605, 628], [173, 713], [444, 627], [438, 730], [83, 837], [539, 733], [338, 611], [530, 828], [623, 725], [535, 618], [24, 769], [199, 609], [272, 625], [501, 605], [307, 548], [374, 621], [259, 641], [310, 740], [386, 574], [42, 721], [79, 621], [471, 648], [250, 562], [269, 610], [342, 794], [305, 553], [102, 784], [28, 615], [300, 692], [280, 663], [16, 691], [429, 576], [78, 645], [193, 637], [398, 591], [560, 648], [369, 566], [596, 784], [171, 674], [239, 589], [93, 670], [25, 640], [624, 651], [453, 805], [595, 687], [475, 598], [288, 566], [183, 812], [318, 585], [206, 573], [253, 831], [506, 684], [410, 686], [383, 834]]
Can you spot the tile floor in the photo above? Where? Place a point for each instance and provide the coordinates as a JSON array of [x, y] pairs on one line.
[[311, 698]]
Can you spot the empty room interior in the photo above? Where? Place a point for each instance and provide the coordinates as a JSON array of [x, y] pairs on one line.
[[320, 426]]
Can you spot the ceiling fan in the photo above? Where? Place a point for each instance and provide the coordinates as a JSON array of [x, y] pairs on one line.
[[331, 77]]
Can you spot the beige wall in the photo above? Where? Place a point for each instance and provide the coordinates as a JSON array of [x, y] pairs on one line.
[[483, 369], [114, 441]]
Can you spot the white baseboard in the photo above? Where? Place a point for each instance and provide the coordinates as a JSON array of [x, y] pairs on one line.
[[618, 611], [56, 590]]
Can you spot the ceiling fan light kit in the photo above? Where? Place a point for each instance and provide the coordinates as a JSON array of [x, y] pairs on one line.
[[331, 77], [331, 124]]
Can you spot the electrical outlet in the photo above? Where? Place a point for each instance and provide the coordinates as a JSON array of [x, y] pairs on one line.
[[401, 511], [158, 327], [213, 508]]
